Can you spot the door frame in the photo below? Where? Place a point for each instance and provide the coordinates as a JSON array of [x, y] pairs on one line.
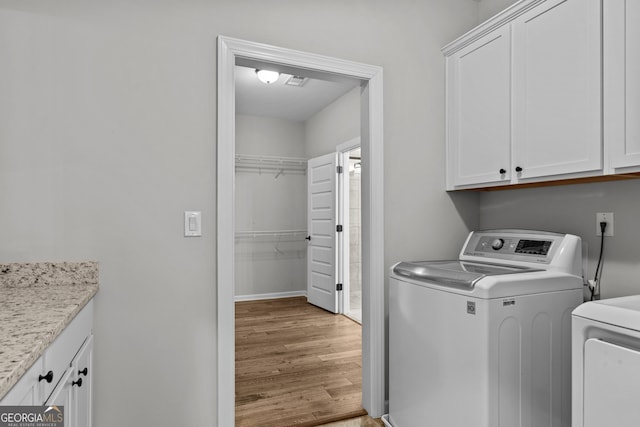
[[344, 239], [373, 331]]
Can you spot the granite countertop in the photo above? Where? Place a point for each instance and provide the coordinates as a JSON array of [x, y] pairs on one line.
[[37, 301]]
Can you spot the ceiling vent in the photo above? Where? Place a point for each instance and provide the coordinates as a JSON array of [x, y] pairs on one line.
[[297, 81]]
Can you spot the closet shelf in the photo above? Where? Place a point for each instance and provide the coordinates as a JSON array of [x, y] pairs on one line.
[[271, 163], [271, 233]]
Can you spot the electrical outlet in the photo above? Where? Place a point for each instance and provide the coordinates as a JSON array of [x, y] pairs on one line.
[[604, 217]]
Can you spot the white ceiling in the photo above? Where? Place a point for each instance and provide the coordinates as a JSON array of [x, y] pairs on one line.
[[286, 102]]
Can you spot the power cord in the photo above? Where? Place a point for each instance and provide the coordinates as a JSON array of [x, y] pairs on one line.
[[595, 289]]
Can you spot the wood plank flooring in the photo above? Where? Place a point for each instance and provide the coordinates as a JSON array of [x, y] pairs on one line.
[[365, 421], [296, 364]]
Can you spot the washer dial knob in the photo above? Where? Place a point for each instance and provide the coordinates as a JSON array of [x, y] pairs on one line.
[[497, 244]]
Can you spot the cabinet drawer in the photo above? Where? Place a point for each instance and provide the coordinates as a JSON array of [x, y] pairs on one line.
[[58, 356]]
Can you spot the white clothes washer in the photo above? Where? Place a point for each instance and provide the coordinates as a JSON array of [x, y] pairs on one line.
[[484, 340], [606, 363]]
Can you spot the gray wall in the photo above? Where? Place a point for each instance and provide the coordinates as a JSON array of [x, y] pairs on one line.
[[572, 209], [337, 123], [268, 136], [108, 134], [488, 8], [270, 201]]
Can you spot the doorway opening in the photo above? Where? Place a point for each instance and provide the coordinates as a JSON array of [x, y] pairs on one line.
[[233, 52], [295, 363], [350, 216]]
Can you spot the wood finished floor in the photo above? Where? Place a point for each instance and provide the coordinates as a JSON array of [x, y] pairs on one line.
[[296, 365], [365, 421]]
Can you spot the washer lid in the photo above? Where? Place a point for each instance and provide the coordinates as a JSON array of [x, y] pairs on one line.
[[623, 312], [454, 274]]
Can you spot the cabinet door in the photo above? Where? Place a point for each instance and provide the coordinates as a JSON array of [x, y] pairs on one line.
[[83, 390], [478, 112], [557, 89], [63, 396], [27, 391], [622, 82]]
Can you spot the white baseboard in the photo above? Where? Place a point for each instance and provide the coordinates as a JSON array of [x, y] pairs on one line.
[[273, 295]]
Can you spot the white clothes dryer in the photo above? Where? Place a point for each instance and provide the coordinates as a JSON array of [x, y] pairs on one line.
[[484, 340], [606, 363]]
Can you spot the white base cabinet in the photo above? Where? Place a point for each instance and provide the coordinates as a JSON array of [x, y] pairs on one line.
[[83, 371], [74, 390], [28, 391], [62, 376]]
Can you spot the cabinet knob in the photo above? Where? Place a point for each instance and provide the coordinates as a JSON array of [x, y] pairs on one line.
[[78, 383], [84, 372], [502, 171], [48, 378], [518, 169], [308, 238]]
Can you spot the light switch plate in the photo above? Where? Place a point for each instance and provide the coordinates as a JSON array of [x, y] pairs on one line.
[[192, 223]]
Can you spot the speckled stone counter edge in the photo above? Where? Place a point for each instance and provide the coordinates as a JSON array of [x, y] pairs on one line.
[[39, 274], [62, 274]]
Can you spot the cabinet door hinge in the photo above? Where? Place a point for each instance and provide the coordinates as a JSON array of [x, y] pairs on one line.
[[339, 228], [338, 286], [339, 169]]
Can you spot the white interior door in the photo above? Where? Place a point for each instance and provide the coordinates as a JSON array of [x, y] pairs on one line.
[[322, 251]]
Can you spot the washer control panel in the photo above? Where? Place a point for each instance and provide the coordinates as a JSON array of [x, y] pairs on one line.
[[522, 245], [533, 247]]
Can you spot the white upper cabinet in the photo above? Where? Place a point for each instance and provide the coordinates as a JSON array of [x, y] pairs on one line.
[[557, 89], [524, 99], [479, 103], [622, 85]]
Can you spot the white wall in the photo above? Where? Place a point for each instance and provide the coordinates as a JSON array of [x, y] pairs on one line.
[[488, 8], [269, 136], [572, 209], [270, 201], [108, 134], [337, 123]]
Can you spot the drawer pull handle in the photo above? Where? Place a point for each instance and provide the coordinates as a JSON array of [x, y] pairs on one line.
[[84, 372], [48, 377], [78, 383]]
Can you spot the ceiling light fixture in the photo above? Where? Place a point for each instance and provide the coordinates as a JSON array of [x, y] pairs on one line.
[[267, 76]]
